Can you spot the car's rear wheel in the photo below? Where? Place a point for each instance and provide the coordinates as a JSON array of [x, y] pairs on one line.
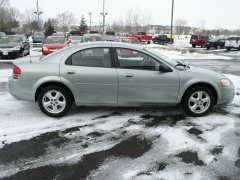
[[199, 101], [54, 101]]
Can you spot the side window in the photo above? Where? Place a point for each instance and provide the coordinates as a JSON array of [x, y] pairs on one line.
[[95, 57], [130, 59]]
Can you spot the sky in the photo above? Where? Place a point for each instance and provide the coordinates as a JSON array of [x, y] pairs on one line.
[[199, 13]]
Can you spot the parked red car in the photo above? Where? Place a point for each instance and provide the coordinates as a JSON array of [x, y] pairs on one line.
[[197, 40], [54, 43], [143, 37]]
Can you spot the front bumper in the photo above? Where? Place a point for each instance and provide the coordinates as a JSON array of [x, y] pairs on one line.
[[9, 53], [227, 95]]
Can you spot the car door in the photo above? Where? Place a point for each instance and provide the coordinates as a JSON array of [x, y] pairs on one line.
[[92, 77], [141, 82]]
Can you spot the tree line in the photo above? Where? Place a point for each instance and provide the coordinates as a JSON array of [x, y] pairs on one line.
[[135, 20]]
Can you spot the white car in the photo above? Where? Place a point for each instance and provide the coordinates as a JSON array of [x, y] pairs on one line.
[[232, 43]]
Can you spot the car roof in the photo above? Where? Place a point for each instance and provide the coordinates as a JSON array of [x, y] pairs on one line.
[[109, 44]]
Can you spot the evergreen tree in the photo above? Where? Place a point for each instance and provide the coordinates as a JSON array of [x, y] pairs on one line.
[[83, 26], [49, 28]]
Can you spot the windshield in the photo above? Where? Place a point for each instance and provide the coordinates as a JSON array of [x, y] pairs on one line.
[[15, 39], [4, 40], [41, 34], [157, 53], [55, 40], [76, 37]]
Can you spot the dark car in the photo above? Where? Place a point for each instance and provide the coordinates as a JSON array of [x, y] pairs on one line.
[[218, 43], [38, 37], [161, 39], [199, 40], [14, 46]]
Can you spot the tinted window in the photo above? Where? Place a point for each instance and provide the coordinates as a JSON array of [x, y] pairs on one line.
[[96, 57], [194, 37], [130, 59]]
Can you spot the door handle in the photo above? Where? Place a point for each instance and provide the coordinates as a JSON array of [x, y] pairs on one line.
[[70, 72], [129, 76]]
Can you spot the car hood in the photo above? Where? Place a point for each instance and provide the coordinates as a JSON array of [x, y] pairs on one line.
[[9, 45], [204, 73], [54, 46]]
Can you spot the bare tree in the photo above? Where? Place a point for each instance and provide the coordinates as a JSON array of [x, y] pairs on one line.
[[3, 2], [65, 20], [9, 19], [180, 26]]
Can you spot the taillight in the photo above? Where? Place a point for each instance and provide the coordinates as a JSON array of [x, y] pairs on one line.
[[16, 72]]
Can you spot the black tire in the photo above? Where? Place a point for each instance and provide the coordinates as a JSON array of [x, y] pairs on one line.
[[228, 49], [194, 45], [187, 95], [66, 95], [28, 53]]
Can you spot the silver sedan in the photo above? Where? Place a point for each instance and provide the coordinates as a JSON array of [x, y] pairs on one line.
[[116, 74]]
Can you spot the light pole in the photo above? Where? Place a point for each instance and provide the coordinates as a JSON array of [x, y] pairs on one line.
[[90, 21], [171, 34], [38, 13], [104, 14]]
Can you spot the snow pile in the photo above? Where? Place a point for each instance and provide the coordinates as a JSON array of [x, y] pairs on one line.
[[177, 54]]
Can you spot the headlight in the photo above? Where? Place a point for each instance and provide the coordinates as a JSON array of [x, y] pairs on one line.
[[225, 82], [17, 48]]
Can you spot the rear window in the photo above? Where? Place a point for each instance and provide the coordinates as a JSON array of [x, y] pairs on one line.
[[92, 38], [55, 40], [93, 57]]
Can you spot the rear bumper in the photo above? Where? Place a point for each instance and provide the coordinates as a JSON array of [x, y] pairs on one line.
[[18, 90]]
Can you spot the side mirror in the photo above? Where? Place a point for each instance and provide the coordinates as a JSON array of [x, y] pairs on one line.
[[164, 69]]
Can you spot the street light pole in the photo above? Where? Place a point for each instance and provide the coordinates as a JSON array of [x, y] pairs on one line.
[[38, 13], [90, 21], [104, 14], [172, 14]]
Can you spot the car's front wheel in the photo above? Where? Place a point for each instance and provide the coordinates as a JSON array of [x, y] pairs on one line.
[[54, 101], [198, 101]]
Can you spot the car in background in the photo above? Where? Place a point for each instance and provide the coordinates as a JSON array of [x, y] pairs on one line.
[[59, 34], [143, 37], [54, 43], [74, 39], [111, 38], [131, 40], [232, 43], [111, 33], [14, 46], [217, 43], [89, 75], [92, 37], [198, 40], [2, 34], [161, 39], [38, 37]]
